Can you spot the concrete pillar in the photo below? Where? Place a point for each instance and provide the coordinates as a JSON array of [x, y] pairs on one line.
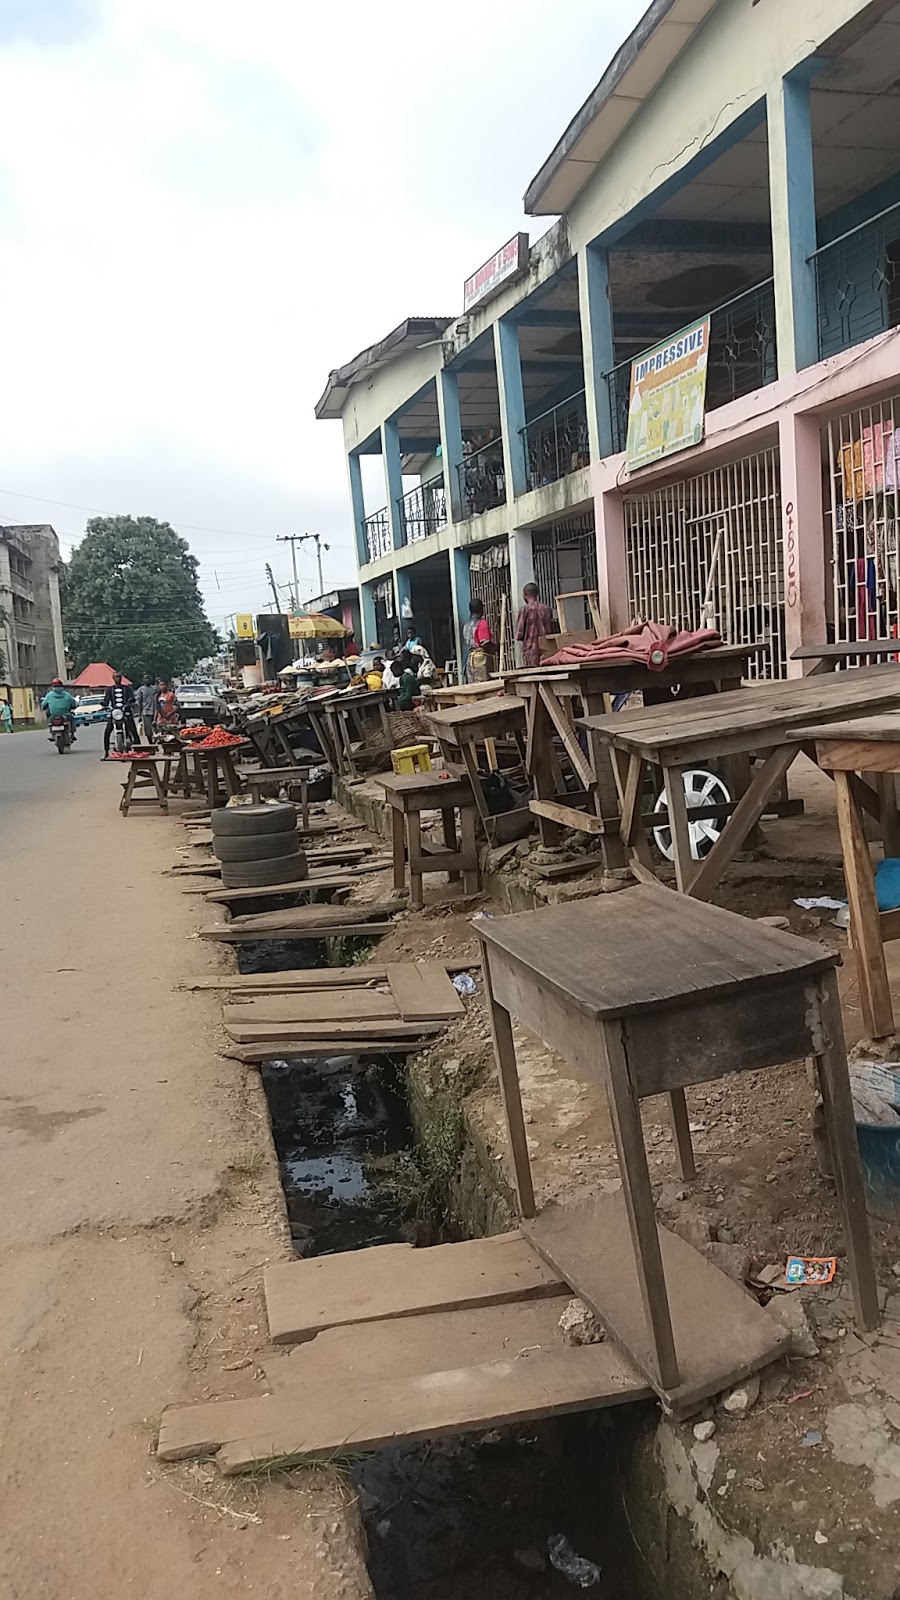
[[512, 405], [461, 591], [793, 208], [598, 346], [393, 479], [803, 531], [521, 571], [358, 504], [368, 624], [451, 441], [612, 570]]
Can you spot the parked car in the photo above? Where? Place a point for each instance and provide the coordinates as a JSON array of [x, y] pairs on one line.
[[89, 710], [203, 701]]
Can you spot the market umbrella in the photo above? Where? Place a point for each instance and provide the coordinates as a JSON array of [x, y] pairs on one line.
[[315, 625]]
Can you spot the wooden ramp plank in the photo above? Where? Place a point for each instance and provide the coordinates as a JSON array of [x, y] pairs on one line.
[[394, 1280], [300, 978], [721, 1334], [349, 1032], [228, 933], [423, 991], [370, 1415], [303, 1049], [334, 1005]]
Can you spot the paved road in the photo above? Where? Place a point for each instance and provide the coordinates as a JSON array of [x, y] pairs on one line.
[[137, 1189]]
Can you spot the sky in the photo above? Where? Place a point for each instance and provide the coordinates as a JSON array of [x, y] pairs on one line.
[[205, 206]]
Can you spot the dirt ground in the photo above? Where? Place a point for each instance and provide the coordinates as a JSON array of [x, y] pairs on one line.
[[139, 1202]]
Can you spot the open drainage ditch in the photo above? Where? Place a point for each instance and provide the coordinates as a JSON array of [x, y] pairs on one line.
[[526, 1513]]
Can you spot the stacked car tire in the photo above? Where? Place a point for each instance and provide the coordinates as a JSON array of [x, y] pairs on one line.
[[258, 845]]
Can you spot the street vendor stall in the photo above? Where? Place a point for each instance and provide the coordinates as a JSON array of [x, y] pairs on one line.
[[555, 695], [767, 720]]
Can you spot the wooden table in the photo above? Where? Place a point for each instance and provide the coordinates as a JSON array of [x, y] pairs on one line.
[[831, 656], [335, 719], [216, 775], [143, 773], [551, 693], [762, 719], [408, 797], [481, 720], [648, 993], [844, 749], [275, 778]]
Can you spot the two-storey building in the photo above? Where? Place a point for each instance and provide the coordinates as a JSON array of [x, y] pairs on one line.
[[739, 159]]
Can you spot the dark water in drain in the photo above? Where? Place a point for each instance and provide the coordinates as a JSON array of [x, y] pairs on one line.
[[461, 1517]]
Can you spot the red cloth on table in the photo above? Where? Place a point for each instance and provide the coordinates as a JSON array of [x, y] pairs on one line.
[[645, 644]]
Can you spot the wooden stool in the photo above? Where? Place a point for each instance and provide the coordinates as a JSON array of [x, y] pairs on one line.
[[408, 797], [649, 992], [273, 779], [144, 775]]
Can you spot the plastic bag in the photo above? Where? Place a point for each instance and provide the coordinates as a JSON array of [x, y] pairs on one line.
[[583, 1573]]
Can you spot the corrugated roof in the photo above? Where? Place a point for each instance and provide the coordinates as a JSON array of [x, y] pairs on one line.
[[409, 335], [631, 77]]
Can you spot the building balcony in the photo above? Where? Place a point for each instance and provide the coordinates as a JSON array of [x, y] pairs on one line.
[[742, 356], [556, 442], [482, 479], [858, 283], [423, 511], [377, 529]]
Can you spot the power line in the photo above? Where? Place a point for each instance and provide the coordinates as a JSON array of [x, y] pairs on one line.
[[72, 505]]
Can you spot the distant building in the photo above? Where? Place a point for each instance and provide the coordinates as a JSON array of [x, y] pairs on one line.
[[731, 186], [343, 606], [31, 635]]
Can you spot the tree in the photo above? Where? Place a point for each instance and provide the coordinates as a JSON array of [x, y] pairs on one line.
[[130, 597]]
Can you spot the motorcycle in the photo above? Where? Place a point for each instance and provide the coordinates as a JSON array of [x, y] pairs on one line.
[[61, 733], [121, 737]]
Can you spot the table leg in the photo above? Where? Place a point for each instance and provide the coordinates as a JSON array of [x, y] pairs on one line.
[[886, 785], [232, 781], [606, 799], [630, 778], [865, 918], [834, 1082], [128, 790], [625, 1112], [739, 769], [745, 816], [414, 836], [681, 1133], [471, 877], [448, 823], [160, 788], [685, 866], [510, 1091], [398, 846], [304, 804], [470, 763], [541, 766], [343, 722], [490, 753], [212, 782], [385, 725]]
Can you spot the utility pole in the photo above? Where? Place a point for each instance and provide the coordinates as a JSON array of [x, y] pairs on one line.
[[274, 590], [293, 539]]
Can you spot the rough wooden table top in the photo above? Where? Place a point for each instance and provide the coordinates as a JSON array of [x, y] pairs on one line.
[[884, 727], [718, 657], [761, 713], [643, 948]]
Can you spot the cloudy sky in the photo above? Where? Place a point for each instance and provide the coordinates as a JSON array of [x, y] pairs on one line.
[[206, 205]]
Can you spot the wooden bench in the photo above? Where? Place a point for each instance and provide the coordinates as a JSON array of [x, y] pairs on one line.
[[648, 992]]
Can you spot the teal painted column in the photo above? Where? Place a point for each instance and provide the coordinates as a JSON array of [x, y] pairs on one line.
[[367, 616], [512, 405], [358, 502], [393, 476], [793, 206], [461, 591], [598, 346], [403, 592], [451, 440]]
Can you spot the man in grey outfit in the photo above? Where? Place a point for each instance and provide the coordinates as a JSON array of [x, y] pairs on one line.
[[147, 698]]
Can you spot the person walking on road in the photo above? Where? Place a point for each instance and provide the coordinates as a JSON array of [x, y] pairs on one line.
[[166, 707], [118, 697], [6, 716], [534, 622], [147, 700]]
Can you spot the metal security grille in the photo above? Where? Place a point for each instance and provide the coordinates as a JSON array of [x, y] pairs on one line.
[[565, 560], [489, 583], [708, 551], [863, 452]]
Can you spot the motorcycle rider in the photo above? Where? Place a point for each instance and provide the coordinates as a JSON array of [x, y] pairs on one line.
[[118, 697], [58, 702]]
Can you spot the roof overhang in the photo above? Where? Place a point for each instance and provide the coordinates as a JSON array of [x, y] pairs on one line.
[[410, 335], [635, 71]]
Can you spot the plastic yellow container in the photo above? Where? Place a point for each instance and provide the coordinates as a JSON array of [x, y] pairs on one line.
[[411, 758]]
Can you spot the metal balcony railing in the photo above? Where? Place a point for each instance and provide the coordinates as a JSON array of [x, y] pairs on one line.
[[742, 356], [423, 510], [556, 442], [858, 283], [482, 479], [378, 534]]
